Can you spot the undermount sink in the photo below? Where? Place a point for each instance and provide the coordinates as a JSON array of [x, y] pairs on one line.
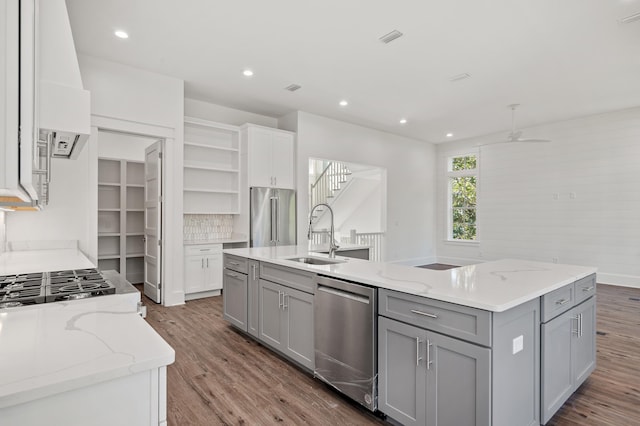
[[316, 260]]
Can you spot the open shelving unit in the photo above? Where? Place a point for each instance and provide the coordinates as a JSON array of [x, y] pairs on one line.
[[121, 217], [211, 167]]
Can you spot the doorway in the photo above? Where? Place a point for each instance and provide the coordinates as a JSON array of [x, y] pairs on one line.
[[129, 208], [357, 196]]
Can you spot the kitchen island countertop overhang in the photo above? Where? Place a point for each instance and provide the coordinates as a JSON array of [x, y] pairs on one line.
[[495, 286]]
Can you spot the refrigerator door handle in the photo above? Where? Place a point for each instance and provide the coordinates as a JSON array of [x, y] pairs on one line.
[[277, 203], [274, 218]]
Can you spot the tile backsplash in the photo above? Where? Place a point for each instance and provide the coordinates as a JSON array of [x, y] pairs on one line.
[[200, 227]]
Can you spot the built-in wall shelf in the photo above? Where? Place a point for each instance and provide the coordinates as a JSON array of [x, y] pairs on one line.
[[211, 167], [121, 217]]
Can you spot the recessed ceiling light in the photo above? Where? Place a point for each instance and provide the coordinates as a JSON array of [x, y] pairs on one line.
[[343, 103], [247, 73], [121, 34], [403, 121], [630, 18], [449, 135]]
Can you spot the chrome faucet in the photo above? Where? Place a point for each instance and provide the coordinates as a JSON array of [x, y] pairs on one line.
[[332, 242]]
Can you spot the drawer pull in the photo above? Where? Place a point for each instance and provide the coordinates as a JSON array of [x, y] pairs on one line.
[[424, 314], [205, 249], [586, 289], [232, 275], [562, 302], [234, 263]]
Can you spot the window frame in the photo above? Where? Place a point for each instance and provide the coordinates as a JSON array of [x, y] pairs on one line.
[[451, 174]]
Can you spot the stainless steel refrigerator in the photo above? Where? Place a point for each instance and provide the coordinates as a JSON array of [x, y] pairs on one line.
[[272, 217]]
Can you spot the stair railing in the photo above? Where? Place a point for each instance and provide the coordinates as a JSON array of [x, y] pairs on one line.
[[329, 181]]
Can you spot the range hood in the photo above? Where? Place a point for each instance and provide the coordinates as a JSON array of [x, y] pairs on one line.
[[63, 104]]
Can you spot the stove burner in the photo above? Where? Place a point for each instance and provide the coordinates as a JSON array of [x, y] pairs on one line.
[[82, 286], [30, 289]]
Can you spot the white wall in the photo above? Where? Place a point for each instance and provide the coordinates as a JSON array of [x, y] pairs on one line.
[[410, 165], [123, 146], [148, 103], [575, 200], [221, 114], [65, 218]]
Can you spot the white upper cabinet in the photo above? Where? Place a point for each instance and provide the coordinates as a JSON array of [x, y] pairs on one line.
[[270, 157]]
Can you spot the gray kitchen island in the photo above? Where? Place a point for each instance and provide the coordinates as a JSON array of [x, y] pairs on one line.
[[499, 343]]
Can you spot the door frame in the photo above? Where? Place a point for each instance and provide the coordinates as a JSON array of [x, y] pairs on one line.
[[171, 236]]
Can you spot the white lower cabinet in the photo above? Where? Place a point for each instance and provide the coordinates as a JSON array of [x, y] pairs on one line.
[[202, 270]]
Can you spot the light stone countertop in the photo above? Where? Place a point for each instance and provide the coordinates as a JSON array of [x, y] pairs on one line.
[[493, 286], [28, 261], [55, 347]]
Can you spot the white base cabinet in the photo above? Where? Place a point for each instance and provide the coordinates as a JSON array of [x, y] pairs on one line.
[[202, 270], [137, 399]]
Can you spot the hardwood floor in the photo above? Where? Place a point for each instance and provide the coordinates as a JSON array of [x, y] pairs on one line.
[[222, 377]]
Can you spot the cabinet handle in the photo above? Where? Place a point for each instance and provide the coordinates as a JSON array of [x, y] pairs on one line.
[[275, 180], [254, 272], [586, 289], [418, 359], [285, 305], [580, 325], [425, 314], [207, 263], [234, 263], [429, 362], [562, 302], [577, 330], [230, 274], [280, 300], [201, 263]]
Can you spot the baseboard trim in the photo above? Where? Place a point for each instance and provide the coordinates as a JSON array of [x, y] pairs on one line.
[[618, 279]]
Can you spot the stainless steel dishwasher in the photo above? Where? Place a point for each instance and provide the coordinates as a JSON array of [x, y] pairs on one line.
[[345, 338]]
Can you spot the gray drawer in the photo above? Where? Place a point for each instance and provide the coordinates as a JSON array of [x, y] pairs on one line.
[[291, 277], [585, 287], [463, 322], [557, 302], [239, 264]]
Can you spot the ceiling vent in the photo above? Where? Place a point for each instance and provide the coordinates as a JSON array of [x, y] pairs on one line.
[[293, 87], [630, 18], [459, 77], [388, 38]]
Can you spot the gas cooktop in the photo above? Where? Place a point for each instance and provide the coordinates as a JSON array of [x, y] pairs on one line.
[[44, 287]]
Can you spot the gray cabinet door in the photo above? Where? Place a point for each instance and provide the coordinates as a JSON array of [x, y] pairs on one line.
[[253, 299], [401, 371], [583, 350], [270, 311], [298, 326], [458, 382], [556, 374], [235, 298]]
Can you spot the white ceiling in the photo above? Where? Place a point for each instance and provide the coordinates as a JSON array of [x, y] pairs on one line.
[[558, 58]]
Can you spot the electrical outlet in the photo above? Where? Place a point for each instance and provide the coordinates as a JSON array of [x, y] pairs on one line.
[[572, 195], [555, 259], [556, 196]]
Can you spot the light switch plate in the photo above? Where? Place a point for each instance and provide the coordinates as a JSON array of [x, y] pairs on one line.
[[518, 344]]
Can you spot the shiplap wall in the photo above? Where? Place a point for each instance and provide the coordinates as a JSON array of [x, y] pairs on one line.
[[575, 200]]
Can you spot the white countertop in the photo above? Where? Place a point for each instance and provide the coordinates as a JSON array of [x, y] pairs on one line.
[[27, 261], [55, 347], [320, 248], [493, 286]]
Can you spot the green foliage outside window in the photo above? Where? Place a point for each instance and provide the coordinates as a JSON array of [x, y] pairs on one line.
[[463, 199]]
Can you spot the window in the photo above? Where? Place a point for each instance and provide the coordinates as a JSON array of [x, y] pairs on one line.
[[462, 182]]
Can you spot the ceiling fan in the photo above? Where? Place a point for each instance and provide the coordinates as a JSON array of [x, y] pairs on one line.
[[515, 135]]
